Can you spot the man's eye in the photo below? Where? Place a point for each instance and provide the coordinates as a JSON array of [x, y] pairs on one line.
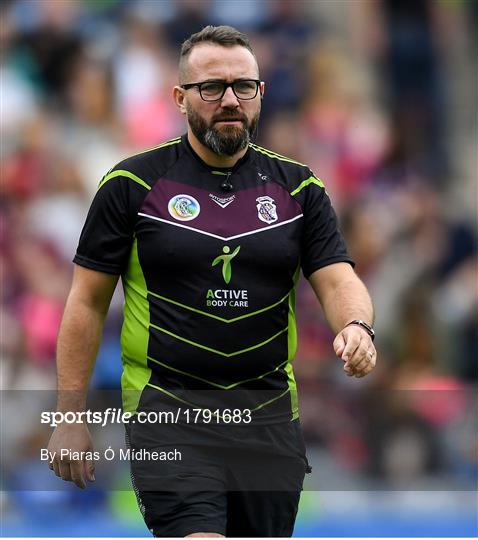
[[211, 89], [245, 86]]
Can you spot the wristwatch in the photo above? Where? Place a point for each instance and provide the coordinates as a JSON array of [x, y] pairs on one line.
[[370, 331]]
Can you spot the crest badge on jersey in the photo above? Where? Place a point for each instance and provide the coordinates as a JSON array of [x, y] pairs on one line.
[[266, 209], [183, 207]]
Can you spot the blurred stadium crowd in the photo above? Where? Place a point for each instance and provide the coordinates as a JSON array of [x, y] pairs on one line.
[[378, 97]]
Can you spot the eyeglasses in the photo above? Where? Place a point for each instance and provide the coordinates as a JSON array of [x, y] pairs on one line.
[[215, 90]]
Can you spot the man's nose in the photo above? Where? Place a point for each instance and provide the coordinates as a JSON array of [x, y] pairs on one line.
[[229, 99]]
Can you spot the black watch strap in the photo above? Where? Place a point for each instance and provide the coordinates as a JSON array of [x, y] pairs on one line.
[[364, 325]]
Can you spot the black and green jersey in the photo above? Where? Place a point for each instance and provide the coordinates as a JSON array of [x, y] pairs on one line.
[[209, 274]]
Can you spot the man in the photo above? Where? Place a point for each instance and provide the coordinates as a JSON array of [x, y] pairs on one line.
[[209, 232]]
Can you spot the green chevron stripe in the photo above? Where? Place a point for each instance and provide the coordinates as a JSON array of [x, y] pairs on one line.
[[273, 155], [227, 321], [217, 385], [215, 351], [305, 183], [170, 394], [126, 174], [271, 400]]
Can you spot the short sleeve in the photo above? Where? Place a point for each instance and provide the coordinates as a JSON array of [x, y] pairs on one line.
[[106, 239], [322, 241]]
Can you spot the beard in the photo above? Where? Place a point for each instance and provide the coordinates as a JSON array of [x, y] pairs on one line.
[[226, 141]]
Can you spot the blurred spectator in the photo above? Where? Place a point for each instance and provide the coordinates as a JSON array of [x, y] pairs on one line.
[[146, 109], [47, 44], [414, 81], [189, 16], [291, 34]]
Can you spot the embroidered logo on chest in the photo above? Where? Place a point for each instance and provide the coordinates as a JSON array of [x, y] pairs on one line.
[[183, 207], [266, 209]]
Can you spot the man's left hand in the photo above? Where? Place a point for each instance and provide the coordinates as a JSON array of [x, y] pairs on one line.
[[355, 347]]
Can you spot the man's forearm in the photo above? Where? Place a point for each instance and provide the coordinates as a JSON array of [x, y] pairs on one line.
[[78, 344], [80, 334], [342, 294], [348, 301], [344, 298]]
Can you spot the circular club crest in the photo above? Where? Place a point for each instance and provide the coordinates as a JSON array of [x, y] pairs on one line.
[[184, 207]]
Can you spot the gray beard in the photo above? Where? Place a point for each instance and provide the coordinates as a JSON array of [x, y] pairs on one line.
[[226, 145], [223, 143]]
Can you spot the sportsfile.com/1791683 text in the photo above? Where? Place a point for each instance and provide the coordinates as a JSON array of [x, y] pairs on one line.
[[113, 415]]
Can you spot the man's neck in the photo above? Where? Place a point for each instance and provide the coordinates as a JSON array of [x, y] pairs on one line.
[[210, 157]]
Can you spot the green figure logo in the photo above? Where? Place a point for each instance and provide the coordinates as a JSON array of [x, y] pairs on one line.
[[226, 262]]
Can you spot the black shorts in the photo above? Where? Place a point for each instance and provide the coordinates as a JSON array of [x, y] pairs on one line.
[[248, 487]]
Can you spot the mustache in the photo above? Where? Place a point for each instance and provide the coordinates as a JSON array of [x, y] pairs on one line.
[[230, 118]]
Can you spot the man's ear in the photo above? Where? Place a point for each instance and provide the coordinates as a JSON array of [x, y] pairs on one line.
[[178, 96], [262, 88]]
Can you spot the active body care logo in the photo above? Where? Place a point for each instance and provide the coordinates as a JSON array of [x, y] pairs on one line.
[[226, 297], [226, 259]]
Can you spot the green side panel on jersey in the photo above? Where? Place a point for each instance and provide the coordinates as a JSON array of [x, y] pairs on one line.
[[294, 401], [292, 349], [134, 334]]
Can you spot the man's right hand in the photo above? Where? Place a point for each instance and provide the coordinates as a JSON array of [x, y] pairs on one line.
[[77, 439]]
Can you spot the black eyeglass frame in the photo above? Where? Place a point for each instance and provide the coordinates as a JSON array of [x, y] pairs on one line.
[[226, 85]]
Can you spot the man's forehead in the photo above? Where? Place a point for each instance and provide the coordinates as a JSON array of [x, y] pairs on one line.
[[211, 61]]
